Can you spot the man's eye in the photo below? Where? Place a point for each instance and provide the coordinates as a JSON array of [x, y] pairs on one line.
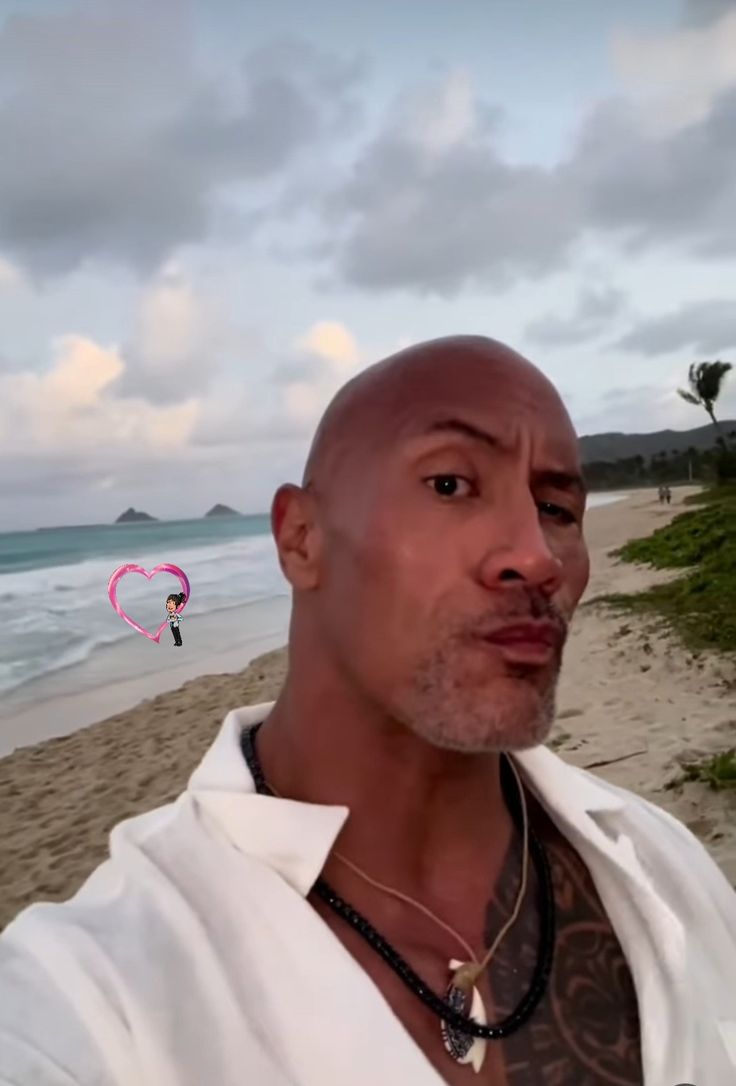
[[449, 486], [557, 512]]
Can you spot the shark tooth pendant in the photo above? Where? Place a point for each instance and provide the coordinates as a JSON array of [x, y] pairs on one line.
[[461, 1046]]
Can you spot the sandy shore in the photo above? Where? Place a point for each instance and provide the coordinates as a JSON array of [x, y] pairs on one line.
[[628, 691], [119, 676]]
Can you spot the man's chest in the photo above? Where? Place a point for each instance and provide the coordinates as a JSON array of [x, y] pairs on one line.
[[585, 1029]]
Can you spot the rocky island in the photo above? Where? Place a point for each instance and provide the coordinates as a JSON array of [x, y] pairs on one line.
[[132, 514], [222, 511]]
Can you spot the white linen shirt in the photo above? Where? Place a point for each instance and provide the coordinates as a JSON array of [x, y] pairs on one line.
[[192, 958]]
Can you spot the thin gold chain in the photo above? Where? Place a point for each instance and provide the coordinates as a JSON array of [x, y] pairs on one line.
[[479, 966]]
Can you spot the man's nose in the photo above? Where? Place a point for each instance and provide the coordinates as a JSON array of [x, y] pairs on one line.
[[520, 553]]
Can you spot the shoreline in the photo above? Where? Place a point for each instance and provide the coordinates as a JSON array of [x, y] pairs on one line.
[[631, 703], [84, 694]]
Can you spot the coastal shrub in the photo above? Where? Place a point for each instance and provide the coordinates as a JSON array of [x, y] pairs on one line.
[[718, 771], [700, 536], [701, 605]]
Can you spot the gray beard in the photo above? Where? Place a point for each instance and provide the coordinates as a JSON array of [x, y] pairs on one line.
[[452, 717]]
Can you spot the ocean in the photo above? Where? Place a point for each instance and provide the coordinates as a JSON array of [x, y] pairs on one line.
[[54, 608], [55, 614]]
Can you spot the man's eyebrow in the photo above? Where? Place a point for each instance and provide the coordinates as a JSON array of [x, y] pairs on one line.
[[561, 480]]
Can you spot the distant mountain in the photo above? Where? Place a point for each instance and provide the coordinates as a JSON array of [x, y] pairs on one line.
[[222, 511], [616, 446], [131, 515]]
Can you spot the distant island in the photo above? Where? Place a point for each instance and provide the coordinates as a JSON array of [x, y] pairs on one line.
[[130, 515], [222, 511]]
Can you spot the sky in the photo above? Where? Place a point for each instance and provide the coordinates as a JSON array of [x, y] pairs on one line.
[[213, 214]]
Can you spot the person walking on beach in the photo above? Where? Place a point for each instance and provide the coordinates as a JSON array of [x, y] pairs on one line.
[[173, 616], [386, 876], [667, 495]]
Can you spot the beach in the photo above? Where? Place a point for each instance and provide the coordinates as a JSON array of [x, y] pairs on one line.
[[119, 676], [632, 704]]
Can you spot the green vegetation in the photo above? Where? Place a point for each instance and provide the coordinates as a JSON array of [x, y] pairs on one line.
[[718, 771], [701, 605], [714, 465], [726, 492], [706, 384], [717, 464]]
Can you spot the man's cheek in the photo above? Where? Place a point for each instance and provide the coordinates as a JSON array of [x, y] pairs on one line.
[[576, 568]]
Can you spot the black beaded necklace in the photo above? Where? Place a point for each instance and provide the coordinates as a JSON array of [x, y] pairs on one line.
[[444, 1010]]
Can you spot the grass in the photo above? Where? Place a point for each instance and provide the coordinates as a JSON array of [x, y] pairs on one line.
[[715, 494], [700, 606], [718, 771]]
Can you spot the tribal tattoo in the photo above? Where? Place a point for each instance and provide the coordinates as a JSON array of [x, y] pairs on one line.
[[585, 1031]]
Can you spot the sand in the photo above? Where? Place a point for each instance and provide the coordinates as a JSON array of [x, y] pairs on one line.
[[119, 676], [629, 691]]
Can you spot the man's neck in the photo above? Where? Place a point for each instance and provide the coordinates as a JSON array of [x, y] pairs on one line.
[[431, 823]]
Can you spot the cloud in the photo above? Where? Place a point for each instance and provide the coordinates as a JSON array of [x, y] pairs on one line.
[[10, 275], [179, 340], [332, 342], [705, 328], [73, 427], [285, 405], [677, 75], [703, 12], [325, 357], [645, 408], [591, 316], [122, 143], [69, 413], [431, 206]]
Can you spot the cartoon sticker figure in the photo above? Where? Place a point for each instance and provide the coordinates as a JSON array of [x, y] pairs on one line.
[[176, 599], [181, 598]]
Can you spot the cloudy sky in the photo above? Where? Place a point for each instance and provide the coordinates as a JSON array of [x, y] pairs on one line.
[[212, 214]]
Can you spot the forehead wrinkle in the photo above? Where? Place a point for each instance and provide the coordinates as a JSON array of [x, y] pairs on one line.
[[376, 410]]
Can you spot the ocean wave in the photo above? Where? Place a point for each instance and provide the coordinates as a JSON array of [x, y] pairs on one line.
[[45, 656], [15, 674], [55, 617]]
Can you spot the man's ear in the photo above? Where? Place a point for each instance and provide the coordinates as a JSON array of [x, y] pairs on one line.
[[296, 534]]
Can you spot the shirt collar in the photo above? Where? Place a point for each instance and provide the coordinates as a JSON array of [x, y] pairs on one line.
[[292, 837], [295, 838], [564, 788]]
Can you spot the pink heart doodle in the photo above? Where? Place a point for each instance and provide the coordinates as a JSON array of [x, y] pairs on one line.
[[166, 567]]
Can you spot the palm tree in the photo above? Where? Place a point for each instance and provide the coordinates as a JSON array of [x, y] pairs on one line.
[[705, 380]]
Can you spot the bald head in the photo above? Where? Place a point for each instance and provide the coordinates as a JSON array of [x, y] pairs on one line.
[[441, 498], [367, 411]]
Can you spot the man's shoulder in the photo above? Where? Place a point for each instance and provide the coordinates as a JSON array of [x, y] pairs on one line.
[[665, 845], [575, 793], [109, 884], [58, 960]]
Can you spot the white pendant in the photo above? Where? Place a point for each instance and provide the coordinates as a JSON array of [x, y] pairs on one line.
[[461, 1046]]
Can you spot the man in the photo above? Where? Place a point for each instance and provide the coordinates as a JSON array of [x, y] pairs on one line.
[[316, 908]]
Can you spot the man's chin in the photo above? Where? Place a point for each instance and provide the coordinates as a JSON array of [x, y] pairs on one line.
[[516, 717]]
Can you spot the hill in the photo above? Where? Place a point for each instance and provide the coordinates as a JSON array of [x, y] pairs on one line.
[[617, 446], [130, 515], [222, 511]]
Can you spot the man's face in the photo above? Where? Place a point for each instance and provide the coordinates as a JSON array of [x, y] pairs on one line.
[[455, 558]]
